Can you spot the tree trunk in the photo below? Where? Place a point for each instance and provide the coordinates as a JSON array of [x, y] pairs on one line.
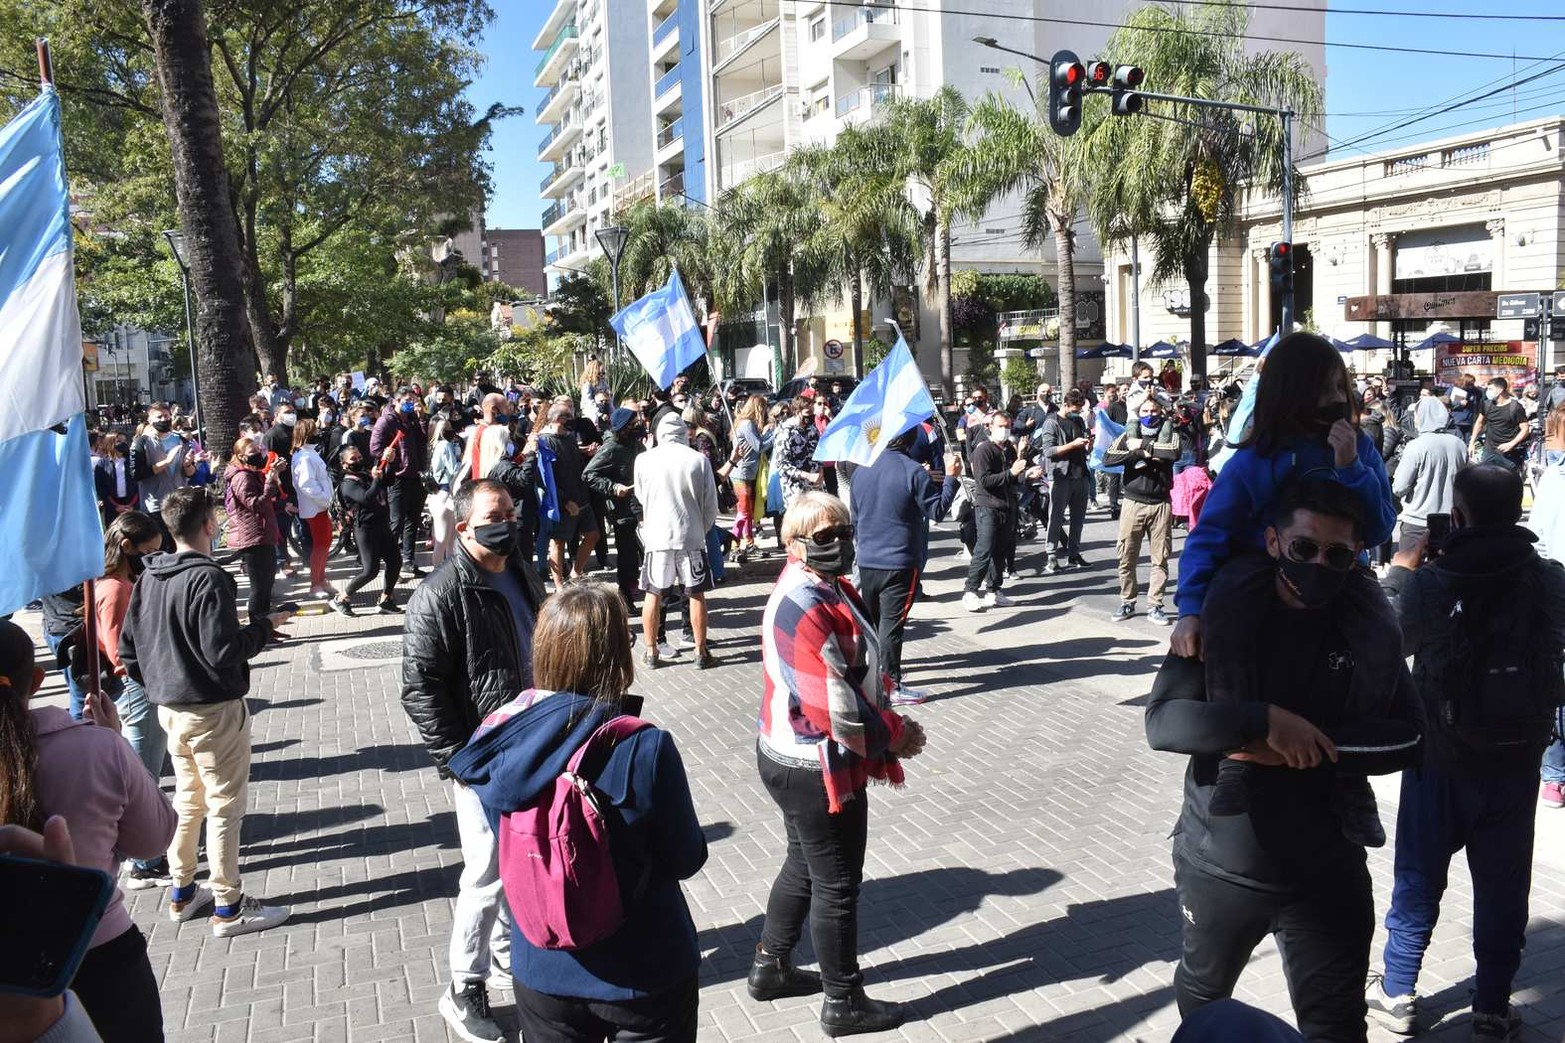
[[786, 332], [1195, 275], [225, 351], [271, 355], [1065, 252], [943, 302], [858, 322]]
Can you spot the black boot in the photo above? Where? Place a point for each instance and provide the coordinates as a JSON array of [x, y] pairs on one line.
[[856, 1013], [775, 977]]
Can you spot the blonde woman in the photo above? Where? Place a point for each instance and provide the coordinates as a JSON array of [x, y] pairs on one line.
[[753, 432], [594, 382]]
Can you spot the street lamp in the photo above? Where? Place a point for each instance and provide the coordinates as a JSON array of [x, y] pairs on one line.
[[612, 239], [176, 246]]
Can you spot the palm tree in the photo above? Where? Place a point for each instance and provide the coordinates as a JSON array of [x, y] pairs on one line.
[[869, 231], [662, 237], [927, 133], [1016, 152], [1176, 185]]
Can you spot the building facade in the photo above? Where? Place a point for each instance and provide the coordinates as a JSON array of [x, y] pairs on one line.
[[515, 257], [1482, 211], [594, 63]]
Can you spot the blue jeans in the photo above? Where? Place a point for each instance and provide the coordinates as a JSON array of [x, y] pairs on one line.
[[1493, 819], [714, 552], [1554, 756], [141, 728], [78, 697]]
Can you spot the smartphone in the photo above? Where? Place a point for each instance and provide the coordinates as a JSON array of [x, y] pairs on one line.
[[48, 913], [1439, 531]]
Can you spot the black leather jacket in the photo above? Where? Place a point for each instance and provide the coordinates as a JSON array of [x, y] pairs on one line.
[[460, 660]]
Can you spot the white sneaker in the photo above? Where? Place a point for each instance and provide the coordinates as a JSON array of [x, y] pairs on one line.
[[199, 903], [252, 917], [667, 651], [995, 599], [973, 603], [902, 695]]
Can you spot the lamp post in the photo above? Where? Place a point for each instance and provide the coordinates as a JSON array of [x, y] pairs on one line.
[[612, 239], [176, 246]]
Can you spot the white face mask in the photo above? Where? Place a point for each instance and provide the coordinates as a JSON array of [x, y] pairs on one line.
[[1000, 434], [1491, 393]]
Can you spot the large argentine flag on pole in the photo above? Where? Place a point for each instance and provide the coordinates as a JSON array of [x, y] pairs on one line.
[[891, 400], [50, 535], [661, 331]]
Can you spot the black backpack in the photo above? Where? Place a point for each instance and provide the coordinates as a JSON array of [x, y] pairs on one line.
[[1502, 688]]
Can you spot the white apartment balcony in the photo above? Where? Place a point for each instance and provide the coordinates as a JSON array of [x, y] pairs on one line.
[[559, 140], [668, 90], [740, 169], [574, 256], [665, 36], [727, 51], [749, 109], [670, 141], [564, 216], [559, 13], [561, 178], [864, 33], [672, 188], [865, 100], [557, 57], [559, 100]]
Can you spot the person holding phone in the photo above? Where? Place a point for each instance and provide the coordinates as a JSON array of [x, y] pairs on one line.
[[250, 490], [51, 764], [182, 642]]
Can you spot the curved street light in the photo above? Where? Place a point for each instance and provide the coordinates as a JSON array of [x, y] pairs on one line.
[[176, 246]]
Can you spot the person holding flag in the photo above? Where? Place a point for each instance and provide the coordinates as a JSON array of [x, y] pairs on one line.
[[661, 331], [1146, 452]]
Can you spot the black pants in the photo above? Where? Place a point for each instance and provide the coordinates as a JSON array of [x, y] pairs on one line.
[[377, 551], [600, 512], [1067, 495], [888, 595], [627, 560], [261, 566], [664, 1017], [1114, 484], [118, 990], [820, 876], [405, 499], [993, 548], [1323, 933]]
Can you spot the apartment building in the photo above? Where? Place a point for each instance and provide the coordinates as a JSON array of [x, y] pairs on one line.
[[595, 59], [679, 102], [515, 257]]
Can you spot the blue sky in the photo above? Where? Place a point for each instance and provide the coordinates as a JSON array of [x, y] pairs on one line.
[[1366, 90]]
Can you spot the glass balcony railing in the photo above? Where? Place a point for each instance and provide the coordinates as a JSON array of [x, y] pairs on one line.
[[673, 186], [553, 214], [543, 146], [671, 133], [863, 16], [567, 32], [566, 82], [666, 82], [866, 97], [664, 28]]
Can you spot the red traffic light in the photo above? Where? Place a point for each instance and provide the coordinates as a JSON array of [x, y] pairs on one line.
[[1281, 249], [1069, 74], [1098, 73]]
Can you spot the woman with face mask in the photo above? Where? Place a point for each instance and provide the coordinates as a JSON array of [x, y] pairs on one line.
[[363, 492], [250, 490], [826, 730], [1305, 423]]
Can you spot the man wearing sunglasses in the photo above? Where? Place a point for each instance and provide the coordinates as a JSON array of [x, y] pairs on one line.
[[1485, 624], [1322, 708]]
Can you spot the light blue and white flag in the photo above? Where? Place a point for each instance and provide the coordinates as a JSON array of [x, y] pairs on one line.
[[1103, 434], [661, 331], [891, 400], [51, 537]]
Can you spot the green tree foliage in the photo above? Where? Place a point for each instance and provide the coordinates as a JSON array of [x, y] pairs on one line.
[[581, 305]]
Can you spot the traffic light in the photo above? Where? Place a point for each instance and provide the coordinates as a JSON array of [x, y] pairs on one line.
[[1279, 264], [1066, 79], [1098, 74], [1126, 79]]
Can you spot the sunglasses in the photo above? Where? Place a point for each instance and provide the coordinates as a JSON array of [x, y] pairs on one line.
[[831, 534], [1334, 556]]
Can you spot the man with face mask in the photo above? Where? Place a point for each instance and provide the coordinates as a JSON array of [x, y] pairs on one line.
[[995, 466], [400, 441], [466, 652], [611, 475], [678, 495], [1487, 607], [1065, 447], [160, 463], [1324, 704], [1147, 452], [1503, 426]]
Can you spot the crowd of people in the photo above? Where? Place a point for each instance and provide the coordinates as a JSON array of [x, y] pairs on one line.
[[1332, 536]]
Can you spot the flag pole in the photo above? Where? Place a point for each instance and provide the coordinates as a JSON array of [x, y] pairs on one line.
[[89, 587]]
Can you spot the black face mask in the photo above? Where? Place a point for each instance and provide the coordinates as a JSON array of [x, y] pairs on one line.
[[135, 563], [163, 427], [1325, 416], [358, 467], [1311, 582], [829, 559], [255, 459], [499, 537]]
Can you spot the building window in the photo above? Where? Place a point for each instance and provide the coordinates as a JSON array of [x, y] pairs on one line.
[[992, 69], [817, 30]]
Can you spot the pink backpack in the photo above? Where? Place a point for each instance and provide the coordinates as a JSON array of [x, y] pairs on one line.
[[555, 860]]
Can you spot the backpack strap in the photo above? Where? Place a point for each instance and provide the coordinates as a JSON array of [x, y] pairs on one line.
[[609, 735]]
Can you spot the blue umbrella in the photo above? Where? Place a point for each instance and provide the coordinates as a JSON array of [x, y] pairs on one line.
[[1090, 353], [1117, 351], [1433, 341], [1161, 350], [1235, 346], [1342, 346], [1368, 342]]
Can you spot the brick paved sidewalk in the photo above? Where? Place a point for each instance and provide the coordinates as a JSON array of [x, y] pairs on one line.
[[1019, 888]]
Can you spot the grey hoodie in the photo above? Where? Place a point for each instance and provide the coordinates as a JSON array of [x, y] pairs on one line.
[[1429, 464]]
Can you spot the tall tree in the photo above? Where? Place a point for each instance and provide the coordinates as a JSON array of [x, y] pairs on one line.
[[870, 233], [928, 134], [1178, 185], [224, 351], [661, 237], [1016, 153]]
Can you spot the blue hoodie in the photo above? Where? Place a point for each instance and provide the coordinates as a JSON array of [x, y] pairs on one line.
[[1239, 507], [655, 950]]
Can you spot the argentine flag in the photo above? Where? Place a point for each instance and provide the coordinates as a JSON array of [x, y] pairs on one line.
[[890, 401], [50, 535], [1105, 431], [661, 331]]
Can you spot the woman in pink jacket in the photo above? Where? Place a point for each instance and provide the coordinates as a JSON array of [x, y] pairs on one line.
[[83, 770]]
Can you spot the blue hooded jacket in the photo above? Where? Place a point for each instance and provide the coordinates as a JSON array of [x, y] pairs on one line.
[[1239, 507], [655, 949]]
